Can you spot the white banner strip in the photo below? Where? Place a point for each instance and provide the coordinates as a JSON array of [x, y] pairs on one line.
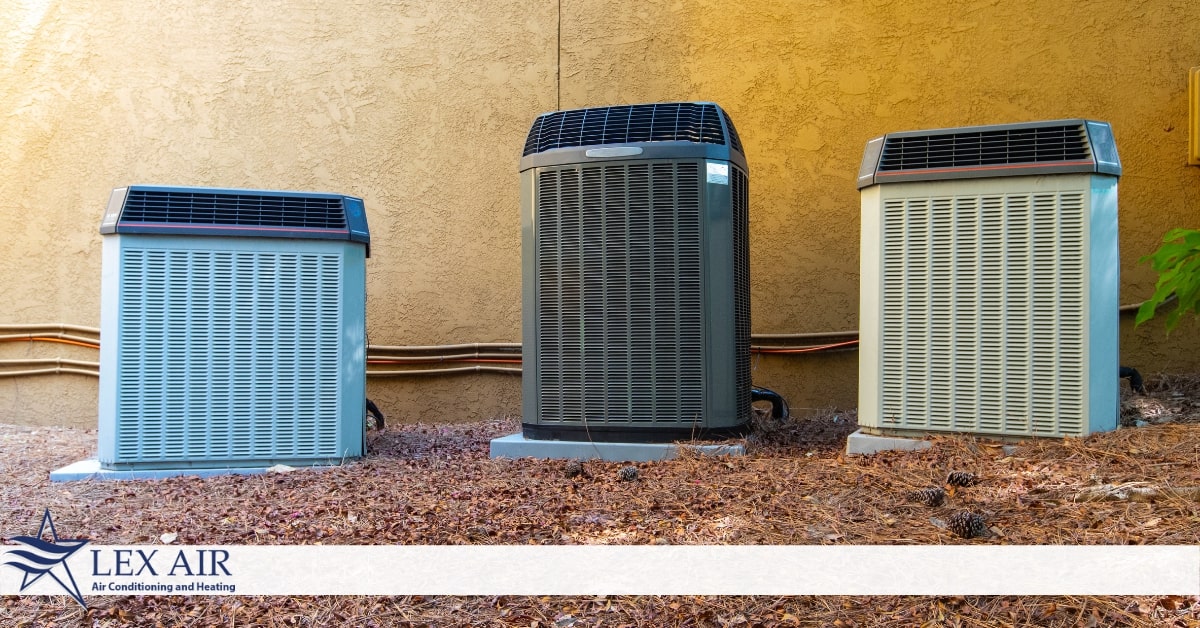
[[613, 570]]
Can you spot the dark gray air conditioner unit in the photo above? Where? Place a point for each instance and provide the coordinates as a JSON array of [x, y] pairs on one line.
[[636, 278]]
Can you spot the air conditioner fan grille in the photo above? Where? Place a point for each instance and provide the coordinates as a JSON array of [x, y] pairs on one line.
[[986, 148], [656, 122], [240, 209]]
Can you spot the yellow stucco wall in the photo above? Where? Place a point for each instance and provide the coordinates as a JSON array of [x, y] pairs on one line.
[[421, 108]]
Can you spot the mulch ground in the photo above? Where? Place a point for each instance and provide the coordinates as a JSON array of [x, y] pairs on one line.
[[434, 484]]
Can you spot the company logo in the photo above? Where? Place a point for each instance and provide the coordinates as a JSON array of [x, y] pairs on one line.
[[40, 558]]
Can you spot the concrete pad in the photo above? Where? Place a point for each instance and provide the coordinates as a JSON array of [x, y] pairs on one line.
[[91, 470], [517, 446], [859, 443]]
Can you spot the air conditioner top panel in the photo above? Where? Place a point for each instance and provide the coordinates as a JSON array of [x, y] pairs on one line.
[[647, 131], [177, 210], [1000, 150]]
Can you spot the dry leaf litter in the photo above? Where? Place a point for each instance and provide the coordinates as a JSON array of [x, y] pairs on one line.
[[434, 484]]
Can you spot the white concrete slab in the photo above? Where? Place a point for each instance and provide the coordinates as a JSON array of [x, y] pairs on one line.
[[859, 443], [517, 446], [91, 470]]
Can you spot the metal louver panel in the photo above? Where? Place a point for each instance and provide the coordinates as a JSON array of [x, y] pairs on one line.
[[983, 313], [619, 294], [228, 355], [656, 122]]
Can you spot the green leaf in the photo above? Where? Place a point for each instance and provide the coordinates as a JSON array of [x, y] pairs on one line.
[[1178, 233], [1177, 262], [1145, 312]]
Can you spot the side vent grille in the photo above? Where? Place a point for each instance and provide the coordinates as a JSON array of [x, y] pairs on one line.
[[657, 122], [228, 355], [741, 268], [986, 148], [619, 255], [983, 313]]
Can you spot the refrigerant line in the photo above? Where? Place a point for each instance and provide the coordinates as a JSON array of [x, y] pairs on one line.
[[380, 355]]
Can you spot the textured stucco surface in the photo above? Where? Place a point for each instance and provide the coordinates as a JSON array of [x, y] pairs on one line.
[[809, 83], [421, 109], [418, 107]]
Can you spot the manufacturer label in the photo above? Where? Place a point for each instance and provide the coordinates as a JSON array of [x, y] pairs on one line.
[[718, 173]]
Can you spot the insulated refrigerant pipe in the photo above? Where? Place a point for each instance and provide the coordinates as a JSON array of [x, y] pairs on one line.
[[456, 369], [53, 371], [62, 331], [400, 359], [853, 333], [48, 362], [474, 346], [91, 343], [483, 351], [60, 327], [95, 331]]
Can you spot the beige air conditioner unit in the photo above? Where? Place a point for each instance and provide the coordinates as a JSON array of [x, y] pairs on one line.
[[989, 280]]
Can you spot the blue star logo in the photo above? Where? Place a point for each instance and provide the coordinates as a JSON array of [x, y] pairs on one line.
[[40, 558]]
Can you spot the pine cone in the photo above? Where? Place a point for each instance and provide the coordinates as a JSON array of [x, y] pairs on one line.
[[573, 468], [932, 496], [628, 474], [967, 525], [962, 478]]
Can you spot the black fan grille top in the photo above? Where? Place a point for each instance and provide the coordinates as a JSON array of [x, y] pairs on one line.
[[986, 148], [657, 122], [251, 210]]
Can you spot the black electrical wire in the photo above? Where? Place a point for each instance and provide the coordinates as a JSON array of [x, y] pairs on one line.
[[779, 407]]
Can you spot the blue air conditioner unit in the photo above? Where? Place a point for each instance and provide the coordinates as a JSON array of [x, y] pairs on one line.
[[233, 326]]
